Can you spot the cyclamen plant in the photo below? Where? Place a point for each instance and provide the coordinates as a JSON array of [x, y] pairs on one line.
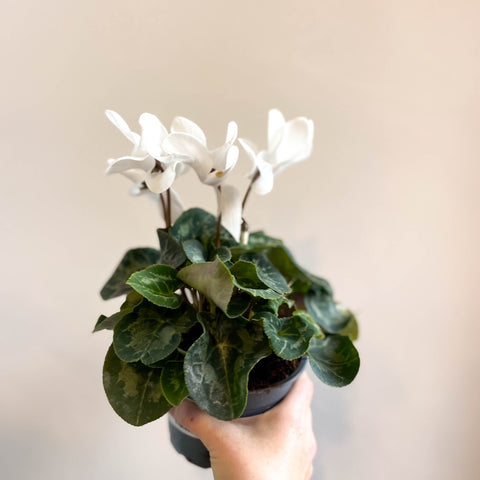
[[202, 310]]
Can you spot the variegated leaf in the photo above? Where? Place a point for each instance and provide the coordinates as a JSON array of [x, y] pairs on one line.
[[173, 380], [194, 251], [198, 224], [334, 360], [171, 252], [290, 337], [109, 323], [158, 284], [133, 390], [300, 279], [246, 279], [266, 272], [133, 261], [218, 363], [326, 312], [150, 333]]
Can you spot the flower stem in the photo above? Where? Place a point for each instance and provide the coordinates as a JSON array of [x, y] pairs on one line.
[[168, 217], [219, 219], [164, 206], [166, 203], [249, 189]]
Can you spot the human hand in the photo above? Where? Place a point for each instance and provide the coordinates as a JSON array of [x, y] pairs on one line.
[[276, 445]]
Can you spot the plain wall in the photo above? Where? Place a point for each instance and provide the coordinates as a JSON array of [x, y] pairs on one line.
[[386, 209]]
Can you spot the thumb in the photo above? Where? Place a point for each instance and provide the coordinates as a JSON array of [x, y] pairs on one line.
[[196, 421]]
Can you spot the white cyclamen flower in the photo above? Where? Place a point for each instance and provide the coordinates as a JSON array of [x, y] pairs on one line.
[[141, 165], [188, 143], [288, 143], [230, 208]]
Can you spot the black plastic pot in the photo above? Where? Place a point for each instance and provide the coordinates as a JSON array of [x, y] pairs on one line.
[[259, 401]]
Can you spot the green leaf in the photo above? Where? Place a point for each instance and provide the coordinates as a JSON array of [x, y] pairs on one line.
[[246, 279], [351, 329], [173, 380], [257, 242], [149, 333], [108, 323], [334, 360], [267, 273], [290, 337], [133, 261], [325, 311], [260, 238], [223, 253], [133, 390], [212, 279], [200, 225], [171, 252], [238, 305], [275, 304], [158, 284], [218, 363], [194, 251], [302, 280]]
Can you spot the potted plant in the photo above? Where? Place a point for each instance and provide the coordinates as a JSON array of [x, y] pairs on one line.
[[215, 311]]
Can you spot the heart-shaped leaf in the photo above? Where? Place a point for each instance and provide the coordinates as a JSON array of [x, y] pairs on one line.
[[171, 252], [133, 261], [326, 311], [133, 390], [290, 337], [218, 363], [238, 305], [212, 279], [200, 225], [158, 284], [194, 251], [334, 360], [173, 380], [351, 329], [257, 242], [149, 333], [266, 272], [108, 323], [301, 280], [223, 253], [246, 278]]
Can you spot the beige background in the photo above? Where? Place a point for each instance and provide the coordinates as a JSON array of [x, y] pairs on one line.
[[386, 208]]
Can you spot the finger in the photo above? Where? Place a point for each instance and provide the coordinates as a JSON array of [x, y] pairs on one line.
[[192, 418]]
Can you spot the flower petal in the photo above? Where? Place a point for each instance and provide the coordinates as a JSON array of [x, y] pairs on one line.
[[276, 123], [153, 134], [184, 125], [230, 207], [296, 144], [251, 152], [232, 158], [136, 176], [122, 125], [159, 182], [217, 177], [264, 183], [191, 150], [232, 132], [120, 165]]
